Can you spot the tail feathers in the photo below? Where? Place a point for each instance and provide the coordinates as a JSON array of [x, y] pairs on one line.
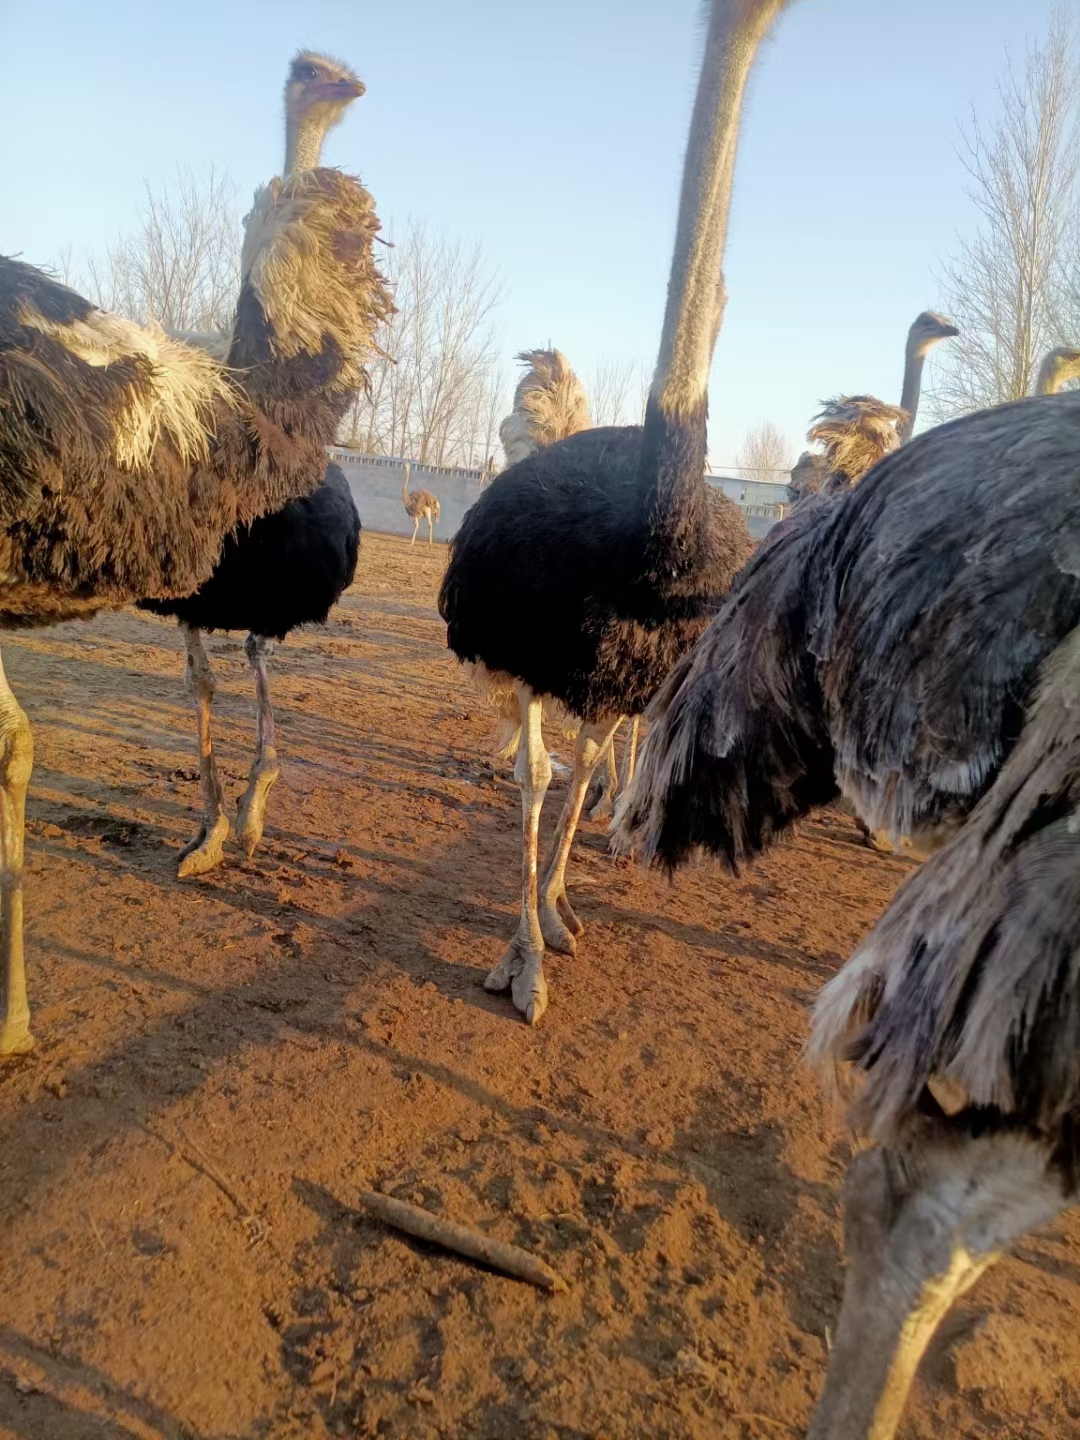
[[549, 405], [739, 745], [856, 431], [972, 977]]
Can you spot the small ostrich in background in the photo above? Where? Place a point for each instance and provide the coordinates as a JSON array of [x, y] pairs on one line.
[[285, 569], [625, 556], [419, 505], [127, 457], [915, 644]]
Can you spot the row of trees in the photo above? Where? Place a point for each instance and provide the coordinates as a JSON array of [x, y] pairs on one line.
[[441, 385]]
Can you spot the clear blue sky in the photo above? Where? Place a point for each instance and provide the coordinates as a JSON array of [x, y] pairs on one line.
[[554, 135]]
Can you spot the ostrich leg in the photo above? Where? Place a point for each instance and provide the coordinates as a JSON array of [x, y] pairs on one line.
[[522, 967], [558, 923], [920, 1228], [204, 852], [430, 529], [608, 782], [16, 762], [629, 754], [264, 769], [415, 528]]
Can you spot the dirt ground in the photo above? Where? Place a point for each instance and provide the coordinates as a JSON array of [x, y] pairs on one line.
[[223, 1065]]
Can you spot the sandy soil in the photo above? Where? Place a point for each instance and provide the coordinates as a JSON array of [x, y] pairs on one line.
[[224, 1064]]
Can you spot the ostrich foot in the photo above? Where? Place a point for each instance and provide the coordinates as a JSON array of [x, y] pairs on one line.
[[558, 923], [15, 1037], [603, 810], [201, 855], [521, 971], [251, 813]]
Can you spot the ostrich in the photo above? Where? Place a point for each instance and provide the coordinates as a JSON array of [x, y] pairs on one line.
[[127, 457], [891, 646], [1058, 366], [419, 505], [549, 405], [285, 569], [586, 569], [281, 571], [857, 430]]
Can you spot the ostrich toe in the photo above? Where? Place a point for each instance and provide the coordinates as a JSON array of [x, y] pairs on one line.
[[521, 971], [251, 814], [203, 853]]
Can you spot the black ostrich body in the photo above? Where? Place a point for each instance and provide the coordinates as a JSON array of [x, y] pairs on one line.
[[284, 570], [281, 571], [561, 576]]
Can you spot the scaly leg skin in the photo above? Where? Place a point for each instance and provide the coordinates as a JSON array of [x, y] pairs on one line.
[[264, 770], [521, 969], [16, 762], [920, 1228], [604, 807], [558, 923], [415, 528], [205, 851], [629, 754]]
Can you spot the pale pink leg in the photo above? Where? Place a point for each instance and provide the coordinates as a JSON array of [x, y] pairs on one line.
[[558, 923], [920, 1228], [16, 762], [205, 851], [604, 807], [264, 770], [521, 969]]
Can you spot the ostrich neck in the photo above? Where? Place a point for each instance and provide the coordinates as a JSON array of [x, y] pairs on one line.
[[673, 451], [914, 360], [1051, 375], [303, 143]]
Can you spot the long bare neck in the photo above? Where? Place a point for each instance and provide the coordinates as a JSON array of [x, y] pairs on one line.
[[673, 449], [736, 29], [405, 482], [914, 360], [303, 142]]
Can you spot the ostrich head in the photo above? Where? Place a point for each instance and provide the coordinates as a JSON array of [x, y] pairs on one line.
[[1058, 366], [927, 330], [318, 91]]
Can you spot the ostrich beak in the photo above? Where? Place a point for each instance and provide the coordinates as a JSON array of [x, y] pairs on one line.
[[336, 91]]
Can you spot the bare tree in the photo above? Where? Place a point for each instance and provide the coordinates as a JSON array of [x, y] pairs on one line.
[[764, 454], [435, 392], [609, 388], [180, 265], [1014, 288]]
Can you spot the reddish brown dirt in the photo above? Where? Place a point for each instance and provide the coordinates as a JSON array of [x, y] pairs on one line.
[[224, 1064]]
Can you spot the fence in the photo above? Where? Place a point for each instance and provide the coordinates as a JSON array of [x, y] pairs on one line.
[[375, 481]]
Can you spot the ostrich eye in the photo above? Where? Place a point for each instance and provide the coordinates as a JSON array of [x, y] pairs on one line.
[[308, 72]]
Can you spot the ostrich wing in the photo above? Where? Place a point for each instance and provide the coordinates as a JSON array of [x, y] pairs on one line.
[[890, 637], [973, 974]]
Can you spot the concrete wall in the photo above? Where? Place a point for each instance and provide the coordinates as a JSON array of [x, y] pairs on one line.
[[375, 481]]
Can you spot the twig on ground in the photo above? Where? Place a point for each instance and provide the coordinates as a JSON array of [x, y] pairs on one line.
[[465, 1241], [188, 1151]]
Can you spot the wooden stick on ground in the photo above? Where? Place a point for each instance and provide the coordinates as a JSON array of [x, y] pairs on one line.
[[465, 1241]]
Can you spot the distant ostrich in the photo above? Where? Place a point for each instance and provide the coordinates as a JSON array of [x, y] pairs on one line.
[[550, 405], [285, 569], [588, 568], [1058, 367], [127, 457], [857, 430], [892, 646], [419, 505]]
